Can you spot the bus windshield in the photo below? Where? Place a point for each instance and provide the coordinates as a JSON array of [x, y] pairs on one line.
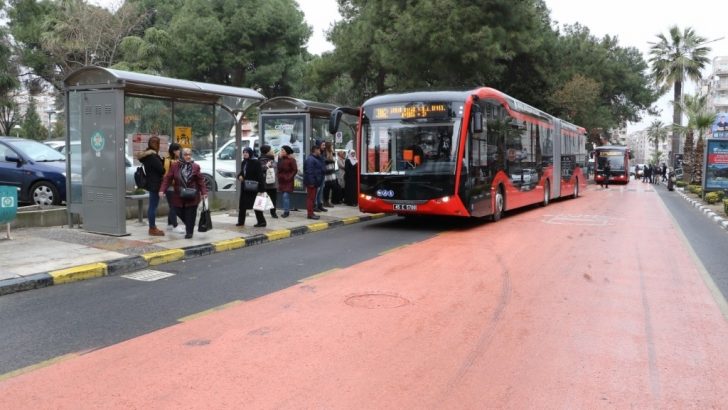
[[615, 158], [401, 147]]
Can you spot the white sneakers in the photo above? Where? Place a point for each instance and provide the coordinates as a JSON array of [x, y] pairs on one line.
[[178, 229]]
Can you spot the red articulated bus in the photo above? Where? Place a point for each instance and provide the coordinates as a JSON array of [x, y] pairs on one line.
[[618, 157], [475, 153]]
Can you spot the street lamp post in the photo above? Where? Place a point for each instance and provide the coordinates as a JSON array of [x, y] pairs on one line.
[[50, 112]]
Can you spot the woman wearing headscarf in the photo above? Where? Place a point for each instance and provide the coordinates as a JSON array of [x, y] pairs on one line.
[[351, 172], [174, 156], [185, 174], [250, 170], [267, 163]]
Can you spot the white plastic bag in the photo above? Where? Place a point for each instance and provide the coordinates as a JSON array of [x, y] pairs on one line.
[[260, 202]]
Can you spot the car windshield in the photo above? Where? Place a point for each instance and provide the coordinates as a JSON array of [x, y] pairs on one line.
[[37, 151]]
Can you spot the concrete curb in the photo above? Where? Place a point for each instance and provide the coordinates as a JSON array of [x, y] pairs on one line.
[[722, 222], [136, 262]]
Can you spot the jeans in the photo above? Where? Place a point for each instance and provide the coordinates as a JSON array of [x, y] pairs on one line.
[[188, 214], [286, 198], [152, 210]]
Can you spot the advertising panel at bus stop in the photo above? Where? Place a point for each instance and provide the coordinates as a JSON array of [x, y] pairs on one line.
[[716, 165]]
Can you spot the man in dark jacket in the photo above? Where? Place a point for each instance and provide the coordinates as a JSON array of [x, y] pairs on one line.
[[154, 168], [313, 178]]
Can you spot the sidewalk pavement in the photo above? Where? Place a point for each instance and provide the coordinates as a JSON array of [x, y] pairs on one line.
[[40, 257]]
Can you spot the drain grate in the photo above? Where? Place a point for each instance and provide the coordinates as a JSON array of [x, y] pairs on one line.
[[148, 275]]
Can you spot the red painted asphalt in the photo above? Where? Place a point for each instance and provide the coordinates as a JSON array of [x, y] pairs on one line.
[[576, 305]]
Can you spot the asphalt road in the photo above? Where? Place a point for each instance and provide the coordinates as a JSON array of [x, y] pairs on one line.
[[708, 239], [46, 323]]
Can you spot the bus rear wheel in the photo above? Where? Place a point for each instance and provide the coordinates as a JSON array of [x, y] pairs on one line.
[[498, 206]]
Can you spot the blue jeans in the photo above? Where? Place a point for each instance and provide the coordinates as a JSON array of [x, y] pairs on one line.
[[286, 198], [152, 210]]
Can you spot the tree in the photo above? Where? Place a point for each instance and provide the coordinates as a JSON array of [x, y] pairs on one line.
[[674, 60], [700, 118], [9, 83], [58, 37], [32, 126], [657, 133]]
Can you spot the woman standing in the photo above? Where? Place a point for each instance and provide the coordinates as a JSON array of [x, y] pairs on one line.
[[154, 168], [330, 174], [268, 165], [189, 189], [287, 170], [250, 170], [174, 156], [350, 179]]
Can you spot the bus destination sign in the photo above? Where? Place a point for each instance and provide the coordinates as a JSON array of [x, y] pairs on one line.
[[411, 111]]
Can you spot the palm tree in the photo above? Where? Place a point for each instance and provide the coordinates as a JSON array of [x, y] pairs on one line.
[[699, 119], [674, 60], [656, 133]]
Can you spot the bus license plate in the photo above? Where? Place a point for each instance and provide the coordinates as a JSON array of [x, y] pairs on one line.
[[404, 207]]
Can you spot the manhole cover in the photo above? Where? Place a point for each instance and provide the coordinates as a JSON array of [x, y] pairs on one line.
[[376, 300]]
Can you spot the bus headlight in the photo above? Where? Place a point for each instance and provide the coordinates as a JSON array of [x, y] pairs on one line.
[[226, 174], [366, 197], [443, 200]]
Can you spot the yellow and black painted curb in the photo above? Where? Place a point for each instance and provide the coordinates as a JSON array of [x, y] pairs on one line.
[[137, 262]]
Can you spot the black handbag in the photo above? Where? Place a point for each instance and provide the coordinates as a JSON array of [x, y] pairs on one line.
[[250, 185], [205, 219], [187, 193]]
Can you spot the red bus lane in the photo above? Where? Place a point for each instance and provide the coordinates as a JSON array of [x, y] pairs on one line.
[[575, 305]]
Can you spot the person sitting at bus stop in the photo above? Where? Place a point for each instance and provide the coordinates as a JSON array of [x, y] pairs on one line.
[[313, 178], [607, 171]]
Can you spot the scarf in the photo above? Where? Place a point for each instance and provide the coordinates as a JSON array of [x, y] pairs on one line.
[[352, 157], [185, 171]]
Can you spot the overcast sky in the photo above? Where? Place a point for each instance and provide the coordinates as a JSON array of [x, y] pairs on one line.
[[634, 22]]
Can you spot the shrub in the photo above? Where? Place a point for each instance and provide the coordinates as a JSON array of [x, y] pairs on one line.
[[680, 183], [695, 189], [725, 206], [713, 197]]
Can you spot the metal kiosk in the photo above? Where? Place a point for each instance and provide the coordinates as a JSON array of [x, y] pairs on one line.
[[298, 123], [111, 114]]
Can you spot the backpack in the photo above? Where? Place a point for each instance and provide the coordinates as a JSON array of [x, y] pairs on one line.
[[270, 175], [140, 178]]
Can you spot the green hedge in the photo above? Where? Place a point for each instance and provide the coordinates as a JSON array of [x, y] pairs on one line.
[[680, 183], [696, 189], [714, 197]]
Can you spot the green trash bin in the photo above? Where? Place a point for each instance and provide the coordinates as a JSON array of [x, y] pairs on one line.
[[8, 203]]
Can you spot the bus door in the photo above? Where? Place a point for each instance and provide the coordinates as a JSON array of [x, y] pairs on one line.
[[476, 175]]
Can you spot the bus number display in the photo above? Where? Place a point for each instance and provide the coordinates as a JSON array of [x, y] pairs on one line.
[[411, 111]]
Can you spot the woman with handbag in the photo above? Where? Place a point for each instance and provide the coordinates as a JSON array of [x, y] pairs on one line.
[[268, 164], [252, 184], [189, 189], [174, 156]]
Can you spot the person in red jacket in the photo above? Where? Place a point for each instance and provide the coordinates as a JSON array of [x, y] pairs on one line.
[[189, 189], [287, 170]]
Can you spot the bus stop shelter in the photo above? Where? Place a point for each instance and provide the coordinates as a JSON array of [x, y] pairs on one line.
[[110, 116], [298, 123]]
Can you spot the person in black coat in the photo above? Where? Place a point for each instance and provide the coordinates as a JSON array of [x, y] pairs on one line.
[[351, 179], [313, 177], [154, 169], [250, 170]]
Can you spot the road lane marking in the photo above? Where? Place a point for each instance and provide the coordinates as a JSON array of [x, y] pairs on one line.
[[318, 275], [208, 311], [32, 367]]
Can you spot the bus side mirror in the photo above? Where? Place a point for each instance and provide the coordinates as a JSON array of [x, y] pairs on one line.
[[334, 120]]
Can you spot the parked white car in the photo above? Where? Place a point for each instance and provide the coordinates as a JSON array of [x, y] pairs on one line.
[[225, 164]]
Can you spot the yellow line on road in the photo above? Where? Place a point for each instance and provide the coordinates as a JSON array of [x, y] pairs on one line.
[[318, 275], [37, 366], [208, 311], [396, 248]]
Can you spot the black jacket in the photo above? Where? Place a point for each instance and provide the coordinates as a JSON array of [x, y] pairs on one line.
[[250, 170], [154, 167]]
